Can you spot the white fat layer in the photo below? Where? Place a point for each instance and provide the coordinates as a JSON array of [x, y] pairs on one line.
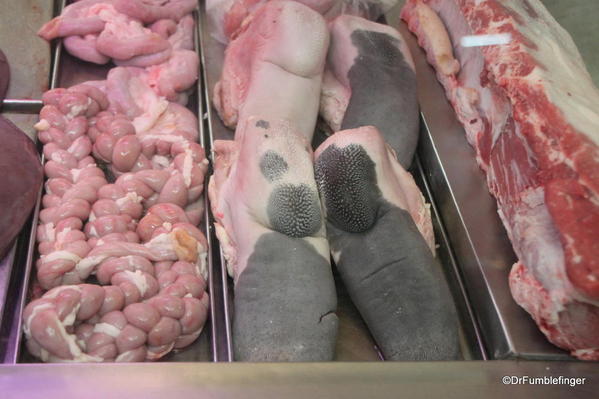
[[108, 329], [85, 265], [76, 109], [156, 352], [92, 216], [75, 174], [54, 292], [582, 352], [201, 262], [125, 357], [50, 231], [129, 197], [63, 255], [36, 310], [147, 100], [162, 243], [42, 125], [139, 279], [160, 161], [71, 340], [187, 166], [336, 255], [61, 236], [228, 250], [69, 320], [167, 225]]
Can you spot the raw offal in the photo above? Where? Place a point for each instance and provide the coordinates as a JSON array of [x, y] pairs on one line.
[[230, 16], [263, 195], [369, 80], [381, 238]]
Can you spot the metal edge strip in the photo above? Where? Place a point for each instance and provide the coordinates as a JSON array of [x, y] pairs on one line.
[[22, 106], [473, 332], [222, 342]]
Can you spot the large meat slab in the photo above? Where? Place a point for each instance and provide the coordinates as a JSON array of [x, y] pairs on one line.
[[529, 108]]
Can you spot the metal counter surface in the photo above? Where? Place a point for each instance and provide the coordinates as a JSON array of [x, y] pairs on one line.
[[27, 54], [299, 380]]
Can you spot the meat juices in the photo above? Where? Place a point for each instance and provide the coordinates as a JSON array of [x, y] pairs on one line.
[[370, 80], [533, 127], [380, 233], [268, 217]]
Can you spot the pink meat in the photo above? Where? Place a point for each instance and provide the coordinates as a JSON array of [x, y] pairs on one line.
[[89, 227], [237, 16], [266, 62], [149, 11], [534, 131]]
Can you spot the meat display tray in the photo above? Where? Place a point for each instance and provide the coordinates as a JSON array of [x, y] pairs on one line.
[[354, 342], [473, 247], [476, 235], [67, 71]]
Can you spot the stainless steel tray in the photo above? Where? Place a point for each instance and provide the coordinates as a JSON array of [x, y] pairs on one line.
[[354, 342], [469, 213], [65, 72]]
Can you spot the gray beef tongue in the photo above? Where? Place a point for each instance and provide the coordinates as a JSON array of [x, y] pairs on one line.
[[380, 247]]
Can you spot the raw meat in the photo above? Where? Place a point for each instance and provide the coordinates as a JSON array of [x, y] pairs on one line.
[[529, 108], [277, 62], [21, 180], [275, 244], [370, 80], [148, 11], [230, 16], [268, 216], [100, 30], [380, 233], [152, 268]]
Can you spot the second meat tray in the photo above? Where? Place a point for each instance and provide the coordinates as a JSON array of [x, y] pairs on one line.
[[354, 342]]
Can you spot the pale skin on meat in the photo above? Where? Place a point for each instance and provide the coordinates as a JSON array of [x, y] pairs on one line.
[[274, 242], [288, 53], [166, 271]]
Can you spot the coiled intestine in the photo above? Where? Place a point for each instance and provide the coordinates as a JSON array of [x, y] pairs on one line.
[[152, 270]]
